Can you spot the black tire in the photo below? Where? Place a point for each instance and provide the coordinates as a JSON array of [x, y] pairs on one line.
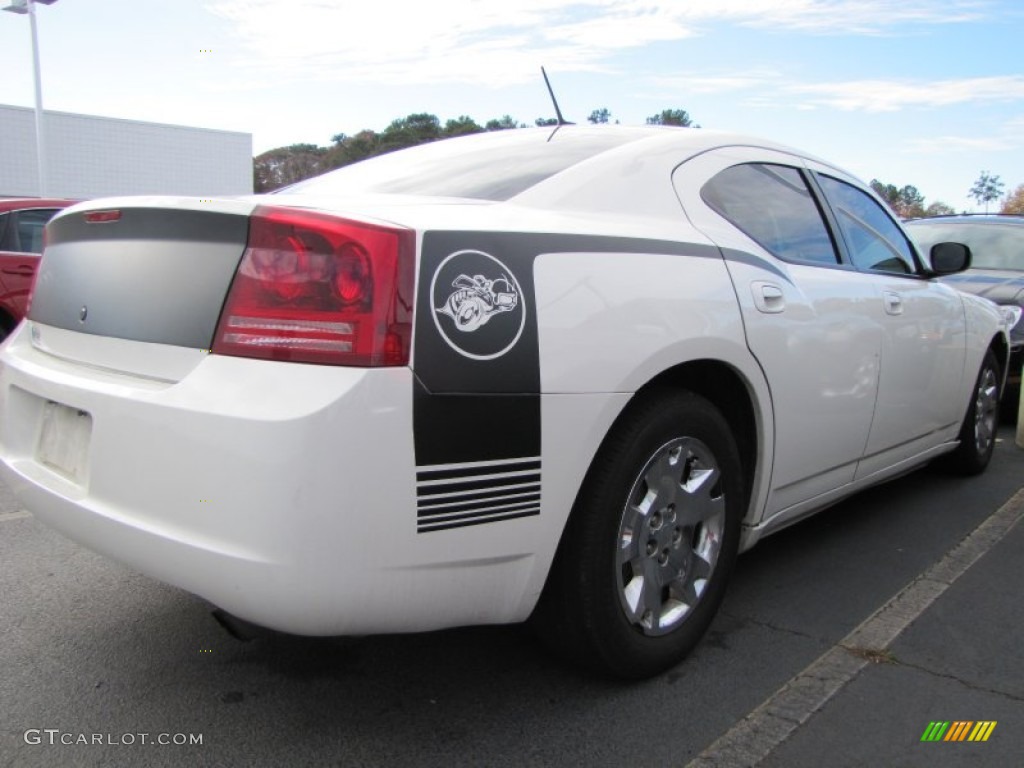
[[7, 325], [686, 542], [1009, 405], [978, 432]]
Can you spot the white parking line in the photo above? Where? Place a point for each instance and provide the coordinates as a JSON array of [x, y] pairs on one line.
[[752, 739], [14, 515]]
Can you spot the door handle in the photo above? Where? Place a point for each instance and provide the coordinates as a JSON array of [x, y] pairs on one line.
[[893, 303], [768, 297]]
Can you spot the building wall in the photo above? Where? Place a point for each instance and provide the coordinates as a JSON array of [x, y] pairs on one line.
[[92, 156]]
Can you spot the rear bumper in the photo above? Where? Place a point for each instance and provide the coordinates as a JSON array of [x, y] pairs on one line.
[[283, 493]]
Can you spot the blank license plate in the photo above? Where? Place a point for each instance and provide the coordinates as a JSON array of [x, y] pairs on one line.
[[64, 440]]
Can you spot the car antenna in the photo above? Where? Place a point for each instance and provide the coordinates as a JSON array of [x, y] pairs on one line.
[[558, 113]]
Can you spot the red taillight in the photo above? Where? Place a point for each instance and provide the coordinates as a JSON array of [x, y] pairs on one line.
[[315, 288], [102, 217]]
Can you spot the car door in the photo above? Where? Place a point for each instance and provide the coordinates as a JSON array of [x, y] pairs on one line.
[[810, 320], [5, 220], [924, 333], [21, 242]]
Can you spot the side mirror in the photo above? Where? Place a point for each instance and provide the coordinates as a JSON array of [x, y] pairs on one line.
[[948, 258]]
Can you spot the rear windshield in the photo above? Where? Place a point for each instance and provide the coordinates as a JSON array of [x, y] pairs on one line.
[[488, 166], [993, 245]]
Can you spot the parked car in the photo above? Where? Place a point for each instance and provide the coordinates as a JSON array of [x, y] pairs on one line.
[[565, 375], [21, 241], [997, 272]]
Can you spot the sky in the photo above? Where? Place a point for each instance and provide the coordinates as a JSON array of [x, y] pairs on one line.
[[921, 92]]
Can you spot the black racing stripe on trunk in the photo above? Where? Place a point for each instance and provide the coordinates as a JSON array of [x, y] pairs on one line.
[[174, 224], [157, 275]]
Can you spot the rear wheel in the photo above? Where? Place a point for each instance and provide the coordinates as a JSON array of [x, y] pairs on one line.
[[651, 542], [978, 432]]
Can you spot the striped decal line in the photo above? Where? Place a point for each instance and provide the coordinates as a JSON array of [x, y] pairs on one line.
[[458, 495], [935, 731], [982, 730], [959, 730]]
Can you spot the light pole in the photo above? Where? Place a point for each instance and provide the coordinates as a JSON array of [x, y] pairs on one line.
[[23, 7]]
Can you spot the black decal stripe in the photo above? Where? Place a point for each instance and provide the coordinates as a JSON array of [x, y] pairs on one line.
[[478, 506], [468, 465], [442, 369], [475, 493], [752, 260], [476, 398], [478, 500], [464, 515], [483, 479], [504, 483], [487, 469], [456, 428], [464, 523], [433, 498]]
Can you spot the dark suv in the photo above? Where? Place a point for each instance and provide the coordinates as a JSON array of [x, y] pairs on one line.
[[21, 241], [997, 271]]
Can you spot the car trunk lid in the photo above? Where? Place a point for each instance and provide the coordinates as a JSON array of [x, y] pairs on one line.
[[143, 272]]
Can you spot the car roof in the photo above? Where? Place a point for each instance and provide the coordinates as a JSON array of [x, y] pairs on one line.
[[971, 219], [20, 203], [524, 167]]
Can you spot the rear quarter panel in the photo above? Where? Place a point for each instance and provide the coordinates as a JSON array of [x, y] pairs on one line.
[[604, 314]]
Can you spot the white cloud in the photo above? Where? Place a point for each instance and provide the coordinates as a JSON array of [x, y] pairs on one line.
[[857, 16], [741, 81], [892, 95], [943, 145], [499, 42], [625, 27], [1009, 135]]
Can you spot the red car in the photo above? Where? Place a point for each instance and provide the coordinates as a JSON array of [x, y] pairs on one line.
[[21, 241]]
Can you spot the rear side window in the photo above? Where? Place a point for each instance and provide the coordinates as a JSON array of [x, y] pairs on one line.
[[773, 206], [30, 229], [874, 241], [27, 235]]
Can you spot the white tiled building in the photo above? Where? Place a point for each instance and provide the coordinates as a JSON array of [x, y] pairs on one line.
[[90, 156]]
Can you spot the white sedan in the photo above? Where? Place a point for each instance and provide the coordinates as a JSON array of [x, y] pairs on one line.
[[566, 376]]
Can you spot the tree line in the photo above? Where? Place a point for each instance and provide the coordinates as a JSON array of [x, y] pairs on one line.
[[279, 167], [908, 203], [286, 165]]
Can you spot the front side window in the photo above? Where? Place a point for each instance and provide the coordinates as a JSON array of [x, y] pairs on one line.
[[875, 242], [773, 206]]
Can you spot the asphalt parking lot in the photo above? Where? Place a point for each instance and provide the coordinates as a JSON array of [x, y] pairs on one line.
[[92, 652]]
